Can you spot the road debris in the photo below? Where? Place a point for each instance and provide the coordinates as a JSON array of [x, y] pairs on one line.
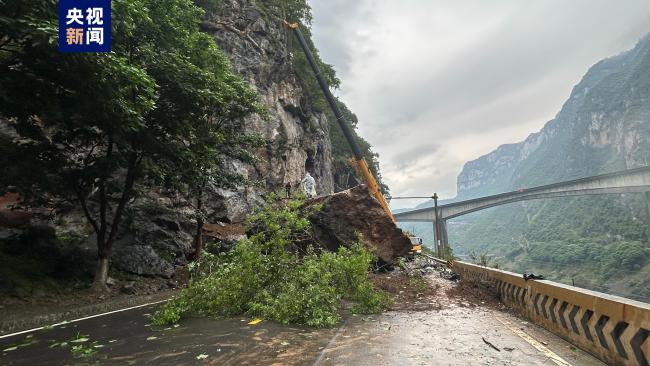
[[490, 344], [450, 275], [532, 276]]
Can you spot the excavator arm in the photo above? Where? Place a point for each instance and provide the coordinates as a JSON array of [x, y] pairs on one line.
[[359, 162]]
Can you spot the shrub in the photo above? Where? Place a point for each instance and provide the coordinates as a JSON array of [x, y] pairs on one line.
[[279, 274]]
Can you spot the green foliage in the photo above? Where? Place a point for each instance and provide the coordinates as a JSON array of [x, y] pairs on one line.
[[279, 275], [92, 126], [594, 242], [448, 253], [205, 264], [482, 259]]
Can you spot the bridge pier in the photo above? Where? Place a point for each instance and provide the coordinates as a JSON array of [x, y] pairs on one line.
[[441, 239], [647, 202], [436, 238], [443, 235]]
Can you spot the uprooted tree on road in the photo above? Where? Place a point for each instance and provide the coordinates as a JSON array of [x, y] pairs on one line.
[[92, 127]]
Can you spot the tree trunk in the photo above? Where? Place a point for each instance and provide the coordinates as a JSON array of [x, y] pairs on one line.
[[101, 274], [104, 246]]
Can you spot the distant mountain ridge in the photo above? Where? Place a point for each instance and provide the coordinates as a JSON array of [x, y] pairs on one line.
[[597, 242], [602, 127], [606, 115]]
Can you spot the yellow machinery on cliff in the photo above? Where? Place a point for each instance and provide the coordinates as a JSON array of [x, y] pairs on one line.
[[359, 162]]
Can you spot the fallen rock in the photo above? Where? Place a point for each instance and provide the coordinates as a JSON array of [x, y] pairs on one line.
[[346, 213]]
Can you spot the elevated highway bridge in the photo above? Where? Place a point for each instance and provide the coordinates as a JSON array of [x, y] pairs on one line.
[[626, 181]]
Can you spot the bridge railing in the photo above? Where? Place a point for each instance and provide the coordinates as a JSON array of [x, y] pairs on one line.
[[612, 328]]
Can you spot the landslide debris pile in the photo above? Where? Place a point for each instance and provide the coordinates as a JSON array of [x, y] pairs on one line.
[[299, 260], [344, 215]]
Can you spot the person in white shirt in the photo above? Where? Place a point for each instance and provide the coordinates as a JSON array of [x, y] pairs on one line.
[[309, 185]]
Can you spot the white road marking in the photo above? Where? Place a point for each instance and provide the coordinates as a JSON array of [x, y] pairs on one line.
[[80, 319]]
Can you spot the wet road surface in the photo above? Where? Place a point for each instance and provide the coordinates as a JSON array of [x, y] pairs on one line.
[[452, 336], [457, 334]]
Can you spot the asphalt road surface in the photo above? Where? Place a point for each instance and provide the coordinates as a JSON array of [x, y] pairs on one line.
[[458, 333]]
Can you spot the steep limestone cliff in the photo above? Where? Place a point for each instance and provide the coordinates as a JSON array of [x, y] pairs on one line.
[[297, 140], [297, 137]]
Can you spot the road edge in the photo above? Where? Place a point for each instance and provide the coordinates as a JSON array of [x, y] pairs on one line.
[[21, 324]]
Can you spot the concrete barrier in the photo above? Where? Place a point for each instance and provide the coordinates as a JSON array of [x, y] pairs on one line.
[[612, 328]]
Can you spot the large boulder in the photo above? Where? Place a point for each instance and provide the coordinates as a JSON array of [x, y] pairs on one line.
[[345, 214]]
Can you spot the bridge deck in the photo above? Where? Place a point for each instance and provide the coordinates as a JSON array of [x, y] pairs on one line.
[[451, 332], [627, 181]]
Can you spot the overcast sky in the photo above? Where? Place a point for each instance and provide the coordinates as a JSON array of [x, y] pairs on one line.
[[439, 83]]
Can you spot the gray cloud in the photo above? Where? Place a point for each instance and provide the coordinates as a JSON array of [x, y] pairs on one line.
[[437, 83], [409, 155]]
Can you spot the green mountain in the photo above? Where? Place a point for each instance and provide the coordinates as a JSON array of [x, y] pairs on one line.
[[596, 242]]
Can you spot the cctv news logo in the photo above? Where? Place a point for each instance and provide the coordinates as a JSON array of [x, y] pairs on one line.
[[84, 25]]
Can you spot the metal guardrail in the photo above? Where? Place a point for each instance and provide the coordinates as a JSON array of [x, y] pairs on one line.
[[612, 328]]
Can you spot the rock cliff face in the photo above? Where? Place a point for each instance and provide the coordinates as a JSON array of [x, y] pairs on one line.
[[603, 127], [297, 139]]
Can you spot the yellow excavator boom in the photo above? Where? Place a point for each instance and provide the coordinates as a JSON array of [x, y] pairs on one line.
[[359, 162]]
